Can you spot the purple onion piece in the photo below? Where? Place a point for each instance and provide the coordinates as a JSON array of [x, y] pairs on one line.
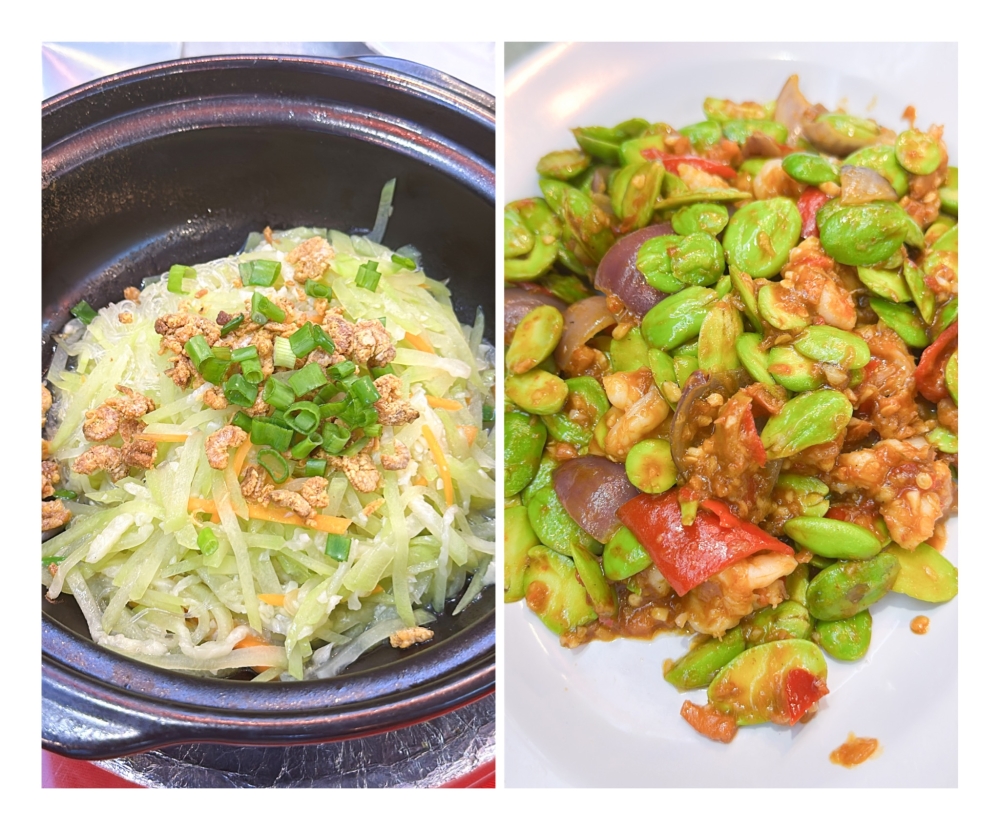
[[592, 489], [517, 302], [617, 274], [584, 319]]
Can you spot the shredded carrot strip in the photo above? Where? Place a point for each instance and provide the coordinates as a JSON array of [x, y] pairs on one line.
[[442, 462], [328, 524], [469, 431], [421, 481], [418, 342], [161, 438], [444, 403], [252, 640], [276, 600], [240, 455]]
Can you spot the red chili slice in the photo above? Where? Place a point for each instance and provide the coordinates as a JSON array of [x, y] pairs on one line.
[[929, 375], [688, 555], [748, 431], [811, 200], [672, 162], [802, 690]]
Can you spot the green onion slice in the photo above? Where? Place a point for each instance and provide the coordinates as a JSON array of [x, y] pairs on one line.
[[274, 463], [261, 272], [233, 324], [264, 433], [303, 417], [198, 349], [405, 261], [83, 312], [307, 445], [368, 276], [243, 421], [342, 370], [262, 310], [338, 547], [240, 391], [303, 341], [214, 370], [311, 467], [176, 276], [278, 394], [306, 379], [335, 438], [318, 290], [283, 356], [208, 543]]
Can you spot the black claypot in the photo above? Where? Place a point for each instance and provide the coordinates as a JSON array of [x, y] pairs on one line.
[[179, 162]]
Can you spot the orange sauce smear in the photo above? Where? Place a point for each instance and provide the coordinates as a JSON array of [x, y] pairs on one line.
[[854, 751], [919, 625]]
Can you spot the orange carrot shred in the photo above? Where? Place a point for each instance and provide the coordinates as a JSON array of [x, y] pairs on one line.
[[327, 524], [442, 463], [444, 403], [418, 342], [469, 431]]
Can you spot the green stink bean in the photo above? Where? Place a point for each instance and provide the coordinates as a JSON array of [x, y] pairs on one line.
[[723, 110], [805, 421], [689, 349], [796, 584], [885, 283], [662, 367], [630, 151], [684, 367], [702, 135], [518, 239], [680, 196], [553, 592], [832, 537], [629, 353], [655, 263], [624, 556], [724, 286], [753, 166], [828, 344], [948, 241], [943, 439], [923, 297], [804, 495], [846, 640], [793, 371], [697, 668], [704, 217], [717, 340], [778, 314], [786, 621], [534, 339], [903, 320], [538, 392], [949, 192], [882, 159], [518, 539], [745, 289], [946, 315], [917, 152], [585, 406], [568, 288], [809, 168], [925, 574], [545, 227], [601, 142], [761, 234], [678, 318], [840, 133], [740, 129], [602, 596], [751, 687], [587, 230], [848, 588], [754, 357], [862, 234], [542, 479], [650, 467], [554, 527], [523, 442], [562, 164], [697, 259], [634, 191], [951, 376]]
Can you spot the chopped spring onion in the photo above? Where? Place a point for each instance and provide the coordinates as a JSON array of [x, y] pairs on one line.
[[176, 277], [318, 290], [303, 417], [283, 357], [222, 353], [368, 276], [214, 370], [311, 467], [274, 463], [246, 353], [335, 438], [405, 261], [338, 547], [198, 349], [363, 389], [306, 379], [262, 310], [342, 370], [278, 394], [384, 211], [83, 312], [265, 433], [240, 391], [243, 421], [379, 371], [261, 272], [357, 446], [303, 341], [208, 543], [253, 371], [307, 445], [488, 412], [323, 339], [65, 494], [233, 324]]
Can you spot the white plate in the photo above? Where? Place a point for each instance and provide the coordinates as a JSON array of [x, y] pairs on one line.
[[602, 715]]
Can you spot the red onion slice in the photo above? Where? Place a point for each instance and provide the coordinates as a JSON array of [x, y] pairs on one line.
[[583, 320], [617, 274], [592, 489]]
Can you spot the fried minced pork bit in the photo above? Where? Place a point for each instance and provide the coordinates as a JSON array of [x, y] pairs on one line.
[[315, 490], [292, 501], [220, 442], [118, 414], [215, 399], [341, 331], [255, 485], [183, 370], [371, 344], [407, 637], [398, 459], [392, 409], [46, 402], [132, 293], [117, 461], [54, 514], [310, 258], [50, 478], [176, 329], [359, 469]]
